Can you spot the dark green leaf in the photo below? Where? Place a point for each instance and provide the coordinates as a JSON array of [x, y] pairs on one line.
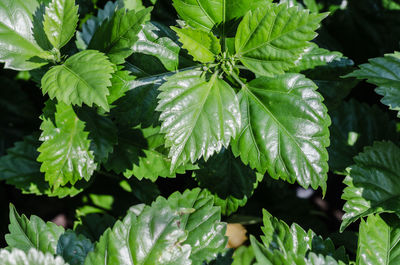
[[73, 248], [383, 72], [351, 131], [116, 36], [372, 183]]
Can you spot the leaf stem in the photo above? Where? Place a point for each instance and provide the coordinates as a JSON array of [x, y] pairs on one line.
[[237, 79]]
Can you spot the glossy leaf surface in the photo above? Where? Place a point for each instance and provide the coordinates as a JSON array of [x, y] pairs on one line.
[[60, 22], [17, 44], [33, 257], [383, 72], [372, 183], [290, 143], [272, 38], [205, 232], [202, 45], [116, 36], [83, 78], [378, 241], [65, 153], [151, 237], [205, 14], [199, 115], [26, 234]]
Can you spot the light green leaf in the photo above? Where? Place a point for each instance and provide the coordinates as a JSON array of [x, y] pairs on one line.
[[314, 259], [290, 142], [60, 21], [73, 248], [120, 82], [205, 14], [243, 256], [116, 36], [199, 116], [383, 72], [65, 153], [373, 183], [20, 169], [26, 234], [272, 38], [378, 241], [17, 44], [152, 237], [351, 131], [202, 45], [33, 257], [201, 225], [83, 78], [132, 4], [314, 56]]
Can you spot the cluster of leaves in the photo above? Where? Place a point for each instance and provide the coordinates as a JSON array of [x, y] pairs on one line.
[[232, 92]]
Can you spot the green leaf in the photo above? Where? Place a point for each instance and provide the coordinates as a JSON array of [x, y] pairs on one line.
[[26, 234], [202, 225], [290, 143], [73, 248], [18, 48], [282, 244], [20, 169], [314, 56], [93, 225], [152, 237], [65, 153], [116, 36], [378, 241], [372, 183], [157, 40], [199, 116], [203, 46], [279, 236], [272, 38], [102, 133], [119, 85], [351, 131], [91, 25], [33, 257], [60, 21], [205, 15], [154, 162], [243, 256], [131, 143], [383, 72], [83, 78], [330, 83], [225, 175]]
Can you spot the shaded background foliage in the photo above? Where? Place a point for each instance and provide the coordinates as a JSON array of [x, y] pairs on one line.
[[360, 29]]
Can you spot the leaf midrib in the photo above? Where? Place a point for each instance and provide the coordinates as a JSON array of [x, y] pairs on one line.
[[279, 125]]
